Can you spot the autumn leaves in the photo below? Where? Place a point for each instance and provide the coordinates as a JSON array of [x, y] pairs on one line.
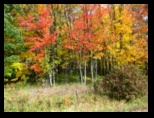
[[89, 37]]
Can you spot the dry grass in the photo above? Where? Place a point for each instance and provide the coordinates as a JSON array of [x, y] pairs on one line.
[[63, 98]]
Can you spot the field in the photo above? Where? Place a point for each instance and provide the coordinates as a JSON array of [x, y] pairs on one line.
[[66, 98]]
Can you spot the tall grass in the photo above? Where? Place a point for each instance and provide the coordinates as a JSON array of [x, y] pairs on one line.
[[63, 98]]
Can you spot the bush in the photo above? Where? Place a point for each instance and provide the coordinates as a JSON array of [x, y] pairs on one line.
[[127, 83]]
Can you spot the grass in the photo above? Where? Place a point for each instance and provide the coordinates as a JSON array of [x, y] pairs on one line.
[[63, 98]]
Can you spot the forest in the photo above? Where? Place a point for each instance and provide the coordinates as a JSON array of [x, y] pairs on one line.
[[67, 57]]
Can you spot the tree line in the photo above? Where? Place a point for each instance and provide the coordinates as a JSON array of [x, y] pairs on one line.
[[44, 40]]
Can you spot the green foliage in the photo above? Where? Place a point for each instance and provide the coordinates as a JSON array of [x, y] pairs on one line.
[[11, 59], [45, 64], [13, 44], [10, 30], [15, 71], [58, 37], [128, 83], [8, 70]]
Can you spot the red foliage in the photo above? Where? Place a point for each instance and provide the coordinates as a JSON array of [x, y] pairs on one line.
[[80, 34], [43, 39]]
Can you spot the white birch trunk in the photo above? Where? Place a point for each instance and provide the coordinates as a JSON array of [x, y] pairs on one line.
[[92, 74], [50, 77], [53, 75], [85, 72], [80, 72], [96, 70]]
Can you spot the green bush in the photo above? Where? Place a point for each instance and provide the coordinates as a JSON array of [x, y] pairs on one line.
[[127, 83]]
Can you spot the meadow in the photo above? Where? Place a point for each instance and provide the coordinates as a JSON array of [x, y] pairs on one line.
[[66, 98]]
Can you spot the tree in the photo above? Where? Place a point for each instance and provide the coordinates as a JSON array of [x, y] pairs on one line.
[[85, 39], [13, 43], [40, 43]]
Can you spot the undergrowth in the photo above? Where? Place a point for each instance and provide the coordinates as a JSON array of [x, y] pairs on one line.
[[63, 98]]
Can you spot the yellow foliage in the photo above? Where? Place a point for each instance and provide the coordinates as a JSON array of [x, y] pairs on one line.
[[99, 55], [5, 80], [18, 66], [28, 55], [64, 64], [20, 69]]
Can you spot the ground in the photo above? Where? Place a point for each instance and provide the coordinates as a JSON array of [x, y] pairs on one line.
[[66, 98]]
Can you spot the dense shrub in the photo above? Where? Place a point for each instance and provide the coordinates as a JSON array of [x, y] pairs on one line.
[[127, 83]]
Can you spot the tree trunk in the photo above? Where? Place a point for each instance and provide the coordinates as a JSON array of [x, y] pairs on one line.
[[80, 72], [50, 77], [53, 75], [104, 66], [96, 69], [112, 62], [85, 71], [101, 67], [92, 74], [109, 63]]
